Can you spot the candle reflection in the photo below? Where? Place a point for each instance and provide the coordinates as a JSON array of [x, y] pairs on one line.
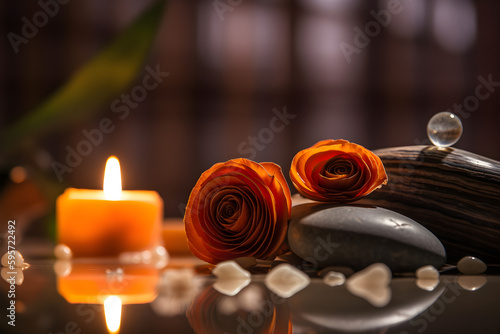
[[113, 313], [87, 283], [107, 285]]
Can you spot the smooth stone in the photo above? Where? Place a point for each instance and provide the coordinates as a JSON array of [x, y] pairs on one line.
[[427, 272], [63, 268], [472, 283], [346, 271], [160, 257], [470, 265], [285, 280], [16, 259], [231, 287], [63, 252], [228, 270], [372, 284], [231, 278], [357, 236], [427, 284], [334, 278]]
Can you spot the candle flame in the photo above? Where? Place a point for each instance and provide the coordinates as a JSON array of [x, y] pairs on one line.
[[113, 313], [112, 179]]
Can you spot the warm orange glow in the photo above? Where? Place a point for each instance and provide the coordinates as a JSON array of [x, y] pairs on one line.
[[112, 180], [113, 313]]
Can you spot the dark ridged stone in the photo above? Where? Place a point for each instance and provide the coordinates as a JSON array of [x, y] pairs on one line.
[[452, 192]]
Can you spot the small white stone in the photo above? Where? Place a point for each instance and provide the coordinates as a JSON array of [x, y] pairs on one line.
[[427, 272], [231, 278], [472, 283], [372, 284], [230, 270], [160, 252], [333, 278], [427, 284], [16, 274], [160, 257], [15, 256], [231, 286], [285, 280], [470, 265], [63, 252], [63, 268]]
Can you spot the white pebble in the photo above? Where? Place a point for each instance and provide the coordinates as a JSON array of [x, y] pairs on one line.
[[372, 284], [333, 278], [472, 283], [470, 265], [231, 278], [63, 268], [427, 284], [230, 270], [63, 252], [160, 257], [427, 272], [231, 286], [285, 280], [13, 258]]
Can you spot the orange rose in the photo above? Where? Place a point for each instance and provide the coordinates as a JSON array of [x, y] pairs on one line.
[[336, 171], [238, 208]]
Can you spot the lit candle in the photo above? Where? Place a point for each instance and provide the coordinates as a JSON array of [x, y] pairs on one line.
[[108, 222]]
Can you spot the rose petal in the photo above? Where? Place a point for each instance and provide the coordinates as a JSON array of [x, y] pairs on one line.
[[238, 208], [336, 171]]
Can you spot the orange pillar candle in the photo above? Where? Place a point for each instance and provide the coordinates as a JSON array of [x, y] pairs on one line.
[[108, 222]]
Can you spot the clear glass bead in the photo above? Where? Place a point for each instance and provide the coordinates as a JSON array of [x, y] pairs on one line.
[[444, 129]]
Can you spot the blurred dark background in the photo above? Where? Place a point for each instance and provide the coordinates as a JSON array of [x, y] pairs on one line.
[[231, 63]]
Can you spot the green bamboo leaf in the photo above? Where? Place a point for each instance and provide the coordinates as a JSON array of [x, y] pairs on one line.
[[99, 81]]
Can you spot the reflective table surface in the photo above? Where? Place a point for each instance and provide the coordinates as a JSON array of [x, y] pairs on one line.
[[183, 297]]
